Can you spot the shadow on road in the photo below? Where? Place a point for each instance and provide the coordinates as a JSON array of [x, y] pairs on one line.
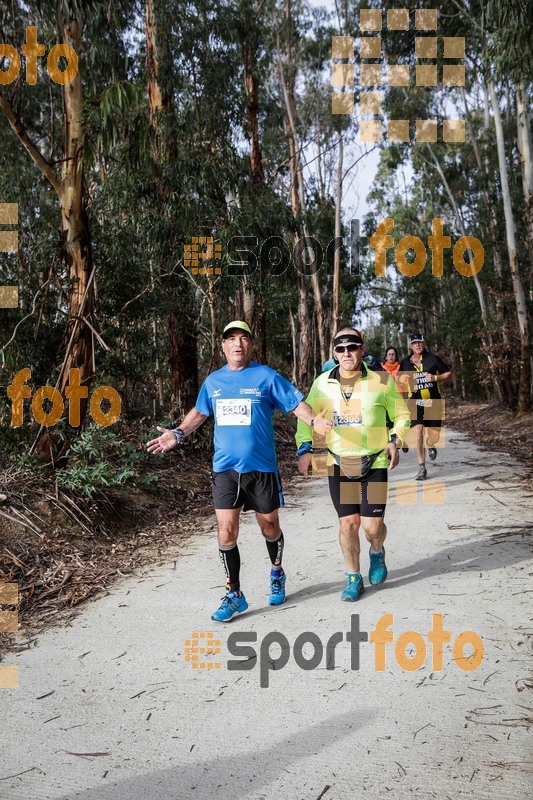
[[235, 775]]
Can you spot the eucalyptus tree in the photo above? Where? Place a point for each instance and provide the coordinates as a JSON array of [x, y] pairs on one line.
[[47, 118]]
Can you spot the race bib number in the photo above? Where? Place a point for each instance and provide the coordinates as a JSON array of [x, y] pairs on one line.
[[424, 403], [346, 419], [234, 412]]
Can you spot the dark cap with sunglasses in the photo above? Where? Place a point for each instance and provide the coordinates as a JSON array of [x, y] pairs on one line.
[[342, 342]]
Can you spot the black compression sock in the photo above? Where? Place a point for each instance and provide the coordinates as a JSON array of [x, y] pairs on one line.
[[275, 550], [231, 561]]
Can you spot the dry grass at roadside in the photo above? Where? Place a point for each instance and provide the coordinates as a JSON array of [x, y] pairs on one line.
[[62, 550]]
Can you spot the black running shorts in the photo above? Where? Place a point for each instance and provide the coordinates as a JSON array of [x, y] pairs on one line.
[[365, 496], [430, 416], [251, 491]]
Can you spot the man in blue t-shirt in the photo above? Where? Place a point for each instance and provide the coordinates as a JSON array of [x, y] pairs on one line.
[[242, 397]]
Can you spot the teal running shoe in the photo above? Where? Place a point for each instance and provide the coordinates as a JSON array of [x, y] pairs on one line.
[[378, 569], [277, 589], [354, 588], [230, 606]]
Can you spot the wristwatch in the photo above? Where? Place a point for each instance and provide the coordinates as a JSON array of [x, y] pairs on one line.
[[178, 433], [393, 439]]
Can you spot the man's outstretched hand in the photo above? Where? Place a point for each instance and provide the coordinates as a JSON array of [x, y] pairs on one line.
[[163, 443]]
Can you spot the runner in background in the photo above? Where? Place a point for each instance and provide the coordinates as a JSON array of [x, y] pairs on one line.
[[422, 373], [391, 364]]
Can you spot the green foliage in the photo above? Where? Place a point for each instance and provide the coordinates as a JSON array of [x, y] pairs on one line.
[[97, 460], [151, 185]]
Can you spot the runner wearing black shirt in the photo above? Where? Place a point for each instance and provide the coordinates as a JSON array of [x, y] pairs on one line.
[[422, 373]]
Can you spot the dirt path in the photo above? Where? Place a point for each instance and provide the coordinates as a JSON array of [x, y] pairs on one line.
[[109, 709]]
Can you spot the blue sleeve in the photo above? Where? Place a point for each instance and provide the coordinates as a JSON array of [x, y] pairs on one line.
[[283, 395], [203, 402]]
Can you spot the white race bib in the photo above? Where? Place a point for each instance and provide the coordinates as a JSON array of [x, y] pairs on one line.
[[234, 412], [346, 419]]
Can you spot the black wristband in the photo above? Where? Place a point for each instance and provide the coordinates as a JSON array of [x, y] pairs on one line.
[[180, 436]]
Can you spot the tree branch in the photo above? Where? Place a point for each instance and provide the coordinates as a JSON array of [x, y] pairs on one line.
[[20, 131]]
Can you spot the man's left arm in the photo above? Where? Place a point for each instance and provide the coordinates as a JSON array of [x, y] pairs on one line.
[[443, 373], [282, 393], [304, 412]]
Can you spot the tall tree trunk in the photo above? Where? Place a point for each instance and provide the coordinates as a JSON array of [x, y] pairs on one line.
[[526, 163], [158, 98], [76, 243], [183, 359], [492, 223], [159, 396], [297, 181], [183, 364], [524, 397], [303, 354], [252, 107], [294, 349], [74, 223], [335, 320], [254, 304], [486, 335], [461, 224], [213, 314], [304, 340]]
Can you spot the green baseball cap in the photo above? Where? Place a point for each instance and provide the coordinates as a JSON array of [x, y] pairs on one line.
[[239, 325]]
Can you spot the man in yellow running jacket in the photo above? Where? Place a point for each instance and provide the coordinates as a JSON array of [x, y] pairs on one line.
[[360, 450]]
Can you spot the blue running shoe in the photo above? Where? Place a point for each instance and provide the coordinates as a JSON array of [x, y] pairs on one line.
[[378, 569], [230, 606], [277, 589], [354, 588]]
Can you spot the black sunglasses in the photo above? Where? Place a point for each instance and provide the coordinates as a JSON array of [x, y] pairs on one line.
[[349, 348]]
